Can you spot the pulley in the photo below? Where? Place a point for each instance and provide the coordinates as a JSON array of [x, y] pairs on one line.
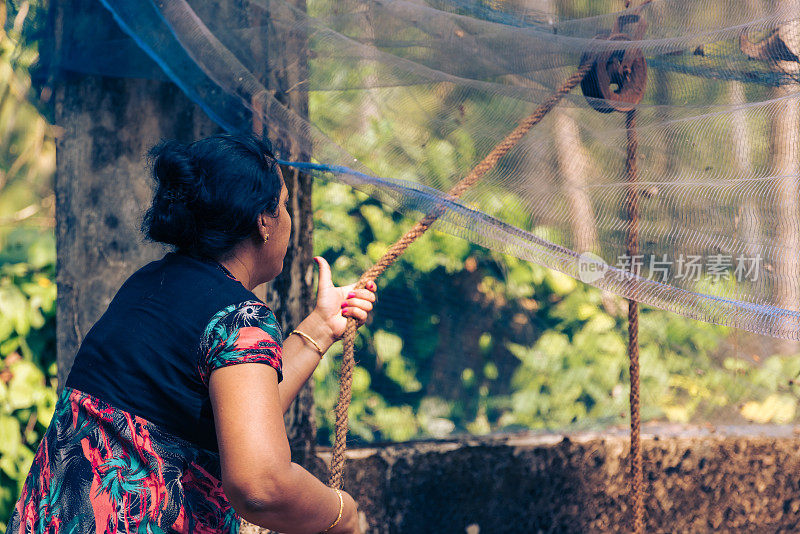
[[618, 76]]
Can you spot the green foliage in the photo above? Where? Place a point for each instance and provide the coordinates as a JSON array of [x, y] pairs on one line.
[[27, 266], [27, 151], [27, 355], [551, 352]]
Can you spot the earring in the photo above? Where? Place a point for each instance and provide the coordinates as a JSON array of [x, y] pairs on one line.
[[266, 238]]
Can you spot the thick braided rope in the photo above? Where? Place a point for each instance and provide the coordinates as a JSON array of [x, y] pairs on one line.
[[397, 249], [632, 249]]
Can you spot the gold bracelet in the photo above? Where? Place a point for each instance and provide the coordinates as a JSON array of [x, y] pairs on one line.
[[341, 509], [310, 340]]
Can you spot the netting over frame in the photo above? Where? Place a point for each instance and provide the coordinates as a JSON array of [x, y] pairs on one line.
[[717, 80]]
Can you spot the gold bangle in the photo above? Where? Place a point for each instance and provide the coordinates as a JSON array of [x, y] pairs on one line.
[[341, 509], [310, 340]]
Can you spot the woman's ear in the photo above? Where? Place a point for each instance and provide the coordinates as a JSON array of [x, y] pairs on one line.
[[265, 223]]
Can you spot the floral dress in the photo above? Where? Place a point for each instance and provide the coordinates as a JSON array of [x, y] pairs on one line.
[[132, 444]]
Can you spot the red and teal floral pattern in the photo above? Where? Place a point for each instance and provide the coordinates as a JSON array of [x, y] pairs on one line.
[[101, 469], [241, 333]]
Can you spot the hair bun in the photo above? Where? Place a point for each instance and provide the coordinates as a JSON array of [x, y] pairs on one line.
[[170, 219], [175, 172]]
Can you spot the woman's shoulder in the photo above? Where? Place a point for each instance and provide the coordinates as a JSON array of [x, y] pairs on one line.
[[185, 279], [179, 263]]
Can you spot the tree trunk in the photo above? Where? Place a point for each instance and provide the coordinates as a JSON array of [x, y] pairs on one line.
[[290, 295], [785, 166], [749, 221], [369, 102], [102, 187], [574, 165]]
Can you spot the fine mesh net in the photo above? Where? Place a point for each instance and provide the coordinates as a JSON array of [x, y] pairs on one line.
[[441, 73], [405, 98]]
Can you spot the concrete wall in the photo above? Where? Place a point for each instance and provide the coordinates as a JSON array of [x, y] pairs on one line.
[[744, 479]]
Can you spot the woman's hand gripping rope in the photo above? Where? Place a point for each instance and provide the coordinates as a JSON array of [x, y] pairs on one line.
[[337, 304]]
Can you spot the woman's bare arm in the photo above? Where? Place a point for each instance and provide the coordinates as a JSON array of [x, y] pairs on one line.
[[300, 358], [258, 476]]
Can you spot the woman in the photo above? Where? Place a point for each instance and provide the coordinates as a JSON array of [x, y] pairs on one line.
[[171, 418]]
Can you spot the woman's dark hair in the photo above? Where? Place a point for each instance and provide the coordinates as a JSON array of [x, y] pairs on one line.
[[210, 193]]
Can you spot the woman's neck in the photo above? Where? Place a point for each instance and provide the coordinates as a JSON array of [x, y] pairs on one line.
[[239, 269]]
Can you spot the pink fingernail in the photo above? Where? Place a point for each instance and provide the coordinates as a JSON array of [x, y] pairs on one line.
[[345, 312], [351, 295], [344, 305]]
